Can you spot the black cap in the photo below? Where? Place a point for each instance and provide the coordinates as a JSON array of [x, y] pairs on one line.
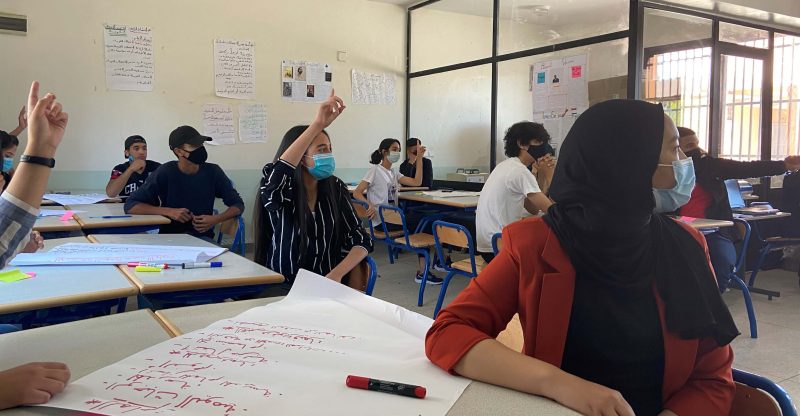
[[130, 141], [186, 134]]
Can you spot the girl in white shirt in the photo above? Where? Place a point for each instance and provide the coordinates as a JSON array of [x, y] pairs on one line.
[[380, 185]]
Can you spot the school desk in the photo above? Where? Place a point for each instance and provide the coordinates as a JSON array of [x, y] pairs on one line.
[[85, 346], [54, 224], [352, 188], [238, 276], [92, 221], [478, 399], [465, 202], [63, 293], [757, 236], [706, 224]]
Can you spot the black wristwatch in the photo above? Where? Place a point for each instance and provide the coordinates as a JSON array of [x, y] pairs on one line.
[[44, 161]]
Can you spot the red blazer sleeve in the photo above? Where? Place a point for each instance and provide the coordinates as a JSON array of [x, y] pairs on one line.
[[710, 387], [481, 311]]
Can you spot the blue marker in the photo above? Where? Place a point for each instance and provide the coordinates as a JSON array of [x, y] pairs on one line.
[[106, 217], [202, 265]]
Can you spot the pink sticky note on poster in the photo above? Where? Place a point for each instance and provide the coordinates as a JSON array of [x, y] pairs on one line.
[[67, 216], [576, 71]]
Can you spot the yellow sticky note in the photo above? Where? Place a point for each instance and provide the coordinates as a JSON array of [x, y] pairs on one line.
[[13, 276], [147, 269]]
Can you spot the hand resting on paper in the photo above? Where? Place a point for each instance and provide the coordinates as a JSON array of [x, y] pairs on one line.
[[32, 383], [35, 243]]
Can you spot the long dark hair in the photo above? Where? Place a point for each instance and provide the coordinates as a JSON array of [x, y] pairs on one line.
[[377, 156], [302, 215]]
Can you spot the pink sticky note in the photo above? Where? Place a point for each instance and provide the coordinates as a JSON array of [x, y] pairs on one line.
[[31, 274], [67, 216], [576, 71], [687, 219]]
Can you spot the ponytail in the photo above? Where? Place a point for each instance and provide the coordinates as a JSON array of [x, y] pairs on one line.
[[376, 157]]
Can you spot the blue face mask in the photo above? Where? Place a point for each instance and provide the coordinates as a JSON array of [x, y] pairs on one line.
[[8, 163], [669, 200], [324, 165]]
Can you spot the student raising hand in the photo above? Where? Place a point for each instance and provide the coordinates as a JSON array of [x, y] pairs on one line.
[[32, 383], [47, 122], [329, 110]]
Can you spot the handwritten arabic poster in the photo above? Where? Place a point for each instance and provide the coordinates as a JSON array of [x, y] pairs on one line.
[[252, 123], [218, 124], [373, 89], [272, 359], [234, 68], [560, 94], [306, 81], [129, 57]]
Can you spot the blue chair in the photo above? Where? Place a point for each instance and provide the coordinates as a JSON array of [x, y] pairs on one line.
[[497, 239], [234, 227], [457, 236], [744, 229], [373, 275], [360, 208], [756, 395], [418, 243]]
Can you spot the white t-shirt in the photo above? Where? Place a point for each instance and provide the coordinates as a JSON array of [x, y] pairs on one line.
[[382, 188], [502, 200]]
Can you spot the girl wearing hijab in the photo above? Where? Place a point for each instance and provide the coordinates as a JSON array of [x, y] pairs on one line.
[[619, 308], [304, 218]]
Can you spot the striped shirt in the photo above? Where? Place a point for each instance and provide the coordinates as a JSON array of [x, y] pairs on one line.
[[16, 223], [283, 236]]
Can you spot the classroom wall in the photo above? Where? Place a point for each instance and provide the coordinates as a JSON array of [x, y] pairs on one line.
[[64, 50]]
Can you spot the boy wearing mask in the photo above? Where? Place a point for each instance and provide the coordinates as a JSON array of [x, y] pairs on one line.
[[127, 177], [184, 190]]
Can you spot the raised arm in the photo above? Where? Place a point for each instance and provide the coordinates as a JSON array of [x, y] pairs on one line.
[[328, 111], [417, 179]]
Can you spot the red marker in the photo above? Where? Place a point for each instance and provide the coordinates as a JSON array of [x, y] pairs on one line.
[[390, 387]]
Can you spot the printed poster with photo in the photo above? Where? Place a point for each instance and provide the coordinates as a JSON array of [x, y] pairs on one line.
[[305, 81]]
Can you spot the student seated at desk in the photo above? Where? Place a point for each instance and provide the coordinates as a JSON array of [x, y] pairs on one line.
[[409, 166], [380, 186], [127, 177], [512, 191], [709, 199], [184, 190], [619, 308], [32, 383], [304, 217]]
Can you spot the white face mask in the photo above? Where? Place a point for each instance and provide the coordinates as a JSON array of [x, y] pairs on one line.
[[669, 200], [394, 157]]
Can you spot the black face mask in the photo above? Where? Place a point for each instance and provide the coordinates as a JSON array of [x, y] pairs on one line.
[[540, 151], [198, 156], [694, 153]]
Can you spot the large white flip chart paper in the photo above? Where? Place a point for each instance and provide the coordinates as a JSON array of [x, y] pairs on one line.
[[286, 358], [129, 57]]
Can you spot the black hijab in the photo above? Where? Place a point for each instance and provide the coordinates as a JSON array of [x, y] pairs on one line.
[[603, 217]]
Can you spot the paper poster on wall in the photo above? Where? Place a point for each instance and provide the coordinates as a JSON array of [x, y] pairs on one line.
[[306, 81], [218, 124], [373, 89], [290, 357], [252, 123], [234, 68], [128, 57], [560, 93]]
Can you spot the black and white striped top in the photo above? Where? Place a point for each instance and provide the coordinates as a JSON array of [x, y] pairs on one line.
[[277, 198]]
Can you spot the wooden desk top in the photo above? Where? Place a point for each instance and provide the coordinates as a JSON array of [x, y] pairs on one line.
[[705, 223], [751, 218], [87, 219], [478, 399], [47, 224], [63, 285], [352, 188], [458, 202], [236, 270], [85, 346]]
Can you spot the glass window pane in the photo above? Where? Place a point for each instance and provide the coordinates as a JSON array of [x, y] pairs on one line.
[[449, 32], [677, 68], [451, 115], [606, 78], [526, 25], [786, 97], [741, 108], [743, 35]]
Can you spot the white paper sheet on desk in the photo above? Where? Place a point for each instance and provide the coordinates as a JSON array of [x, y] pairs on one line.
[[453, 194], [84, 199], [286, 358], [87, 254], [55, 212]]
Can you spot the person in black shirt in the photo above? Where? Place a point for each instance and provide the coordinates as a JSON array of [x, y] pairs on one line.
[[409, 166], [130, 176], [184, 190], [304, 217]]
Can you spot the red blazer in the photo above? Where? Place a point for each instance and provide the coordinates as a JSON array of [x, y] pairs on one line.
[[533, 276]]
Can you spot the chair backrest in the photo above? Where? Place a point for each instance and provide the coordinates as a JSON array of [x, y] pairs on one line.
[[360, 207], [454, 235], [390, 214], [497, 243], [229, 226], [756, 395], [734, 194]]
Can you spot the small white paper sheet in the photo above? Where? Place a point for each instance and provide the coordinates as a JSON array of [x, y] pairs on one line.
[[287, 358], [90, 254]]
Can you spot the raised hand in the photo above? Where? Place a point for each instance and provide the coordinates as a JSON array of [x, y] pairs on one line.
[[47, 123], [329, 110]]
